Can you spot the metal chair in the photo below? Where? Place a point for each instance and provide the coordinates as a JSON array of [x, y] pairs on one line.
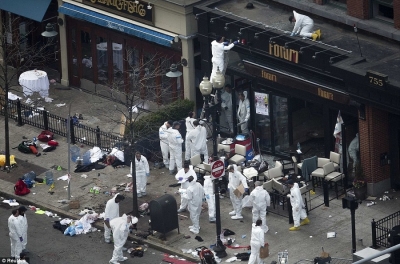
[[240, 155]]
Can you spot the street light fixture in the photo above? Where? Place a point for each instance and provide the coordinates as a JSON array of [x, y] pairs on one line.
[[173, 69], [205, 88], [50, 32]]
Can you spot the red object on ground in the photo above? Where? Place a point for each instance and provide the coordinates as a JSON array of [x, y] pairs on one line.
[[167, 258], [33, 149]]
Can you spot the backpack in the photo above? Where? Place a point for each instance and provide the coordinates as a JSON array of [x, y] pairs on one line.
[[45, 136], [24, 146], [21, 188]]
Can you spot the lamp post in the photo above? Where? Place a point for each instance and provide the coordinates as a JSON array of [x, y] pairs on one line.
[[206, 88]]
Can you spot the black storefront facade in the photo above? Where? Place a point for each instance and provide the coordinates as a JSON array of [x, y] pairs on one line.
[[296, 89]]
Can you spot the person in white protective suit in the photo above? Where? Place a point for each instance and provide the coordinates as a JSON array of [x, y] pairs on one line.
[[256, 242], [189, 127], [120, 227], [15, 233], [191, 137], [182, 177], [142, 172], [200, 142], [298, 207], [304, 26], [175, 141], [235, 179], [111, 211], [243, 112], [210, 197], [226, 104], [218, 48], [261, 200], [22, 217], [195, 195], [163, 134]]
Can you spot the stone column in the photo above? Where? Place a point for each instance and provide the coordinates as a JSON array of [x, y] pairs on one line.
[[188, 71], [63, 49]]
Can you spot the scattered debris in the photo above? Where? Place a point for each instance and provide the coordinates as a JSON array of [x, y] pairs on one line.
[[371, 204], [59, 105], [11, 202], [330, 234]]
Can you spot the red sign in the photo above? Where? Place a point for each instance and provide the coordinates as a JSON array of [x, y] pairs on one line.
[[217, 169]]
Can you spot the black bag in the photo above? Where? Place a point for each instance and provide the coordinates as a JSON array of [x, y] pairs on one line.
[[137, 252], [48, 149], [243, 256], [24, 146]]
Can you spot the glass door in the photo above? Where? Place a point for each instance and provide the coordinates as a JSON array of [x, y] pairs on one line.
[[280, 119]]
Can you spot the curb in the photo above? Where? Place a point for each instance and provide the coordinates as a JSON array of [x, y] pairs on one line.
[[99, 226]]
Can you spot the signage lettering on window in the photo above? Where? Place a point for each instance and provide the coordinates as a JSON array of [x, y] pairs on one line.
[[284, 53], [268, 76], [325, 94]]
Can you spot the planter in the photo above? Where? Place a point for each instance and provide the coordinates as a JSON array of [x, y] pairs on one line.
[[360, 193]]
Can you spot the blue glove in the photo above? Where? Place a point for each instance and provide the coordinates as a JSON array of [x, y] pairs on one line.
[[226, 43], [147, 174], [180, 178], [292, 34], [246, 189], [236, 42], [21, 239], [207, 196]]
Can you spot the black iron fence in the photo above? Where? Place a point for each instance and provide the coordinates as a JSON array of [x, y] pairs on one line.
[[381, 228], [24, 114]]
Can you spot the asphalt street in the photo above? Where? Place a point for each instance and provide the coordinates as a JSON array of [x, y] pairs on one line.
[[48, 245]]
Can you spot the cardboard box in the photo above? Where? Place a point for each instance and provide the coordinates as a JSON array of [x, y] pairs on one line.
[[239, 191], [74, 204], [264, 251]]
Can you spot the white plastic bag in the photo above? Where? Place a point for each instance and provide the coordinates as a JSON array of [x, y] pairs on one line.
[[247, 201]]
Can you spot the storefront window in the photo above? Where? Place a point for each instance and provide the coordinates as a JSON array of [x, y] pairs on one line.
[[87, 58], [280, 119], [74, 53], [262, 120], [118, 62], [102, 59]]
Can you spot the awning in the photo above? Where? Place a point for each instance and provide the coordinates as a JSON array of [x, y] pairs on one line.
[[117, 24], [34, 10]]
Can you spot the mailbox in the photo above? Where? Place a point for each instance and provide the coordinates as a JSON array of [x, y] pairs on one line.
[[163, 214]]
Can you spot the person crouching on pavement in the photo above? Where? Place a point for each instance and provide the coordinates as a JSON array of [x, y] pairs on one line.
[[120, 227], [110, 212], [298, 207], [182, 176]]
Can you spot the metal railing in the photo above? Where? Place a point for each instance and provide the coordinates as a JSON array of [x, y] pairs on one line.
[[381, 228], [24, 114], [333, 261]]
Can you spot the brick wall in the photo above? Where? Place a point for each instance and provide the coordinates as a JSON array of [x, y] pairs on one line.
[[374, 140], [358, 8], [396, 10]]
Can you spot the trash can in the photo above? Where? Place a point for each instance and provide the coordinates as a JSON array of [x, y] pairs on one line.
[[245, 140], [163, 214]]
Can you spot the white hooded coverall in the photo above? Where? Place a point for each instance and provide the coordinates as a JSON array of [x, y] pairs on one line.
[[217, 51], [120, 228], [303, 25], [226, 99], [15, 232], [163, 133], [256, 242], [142, 170], [199, 145], [184, 183], [175, 149], [298, 207], [210, 197], [111, 211], [261, 200], [235, 178], [24, 224], [195, 194], [243, 113], [189, 127]]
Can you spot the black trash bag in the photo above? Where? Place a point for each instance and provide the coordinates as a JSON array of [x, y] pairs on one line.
[[243, 256], [137, 252], [228, 232]]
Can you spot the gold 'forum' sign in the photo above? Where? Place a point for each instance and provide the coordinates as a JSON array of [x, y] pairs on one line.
[[126, 8], [283, 53]]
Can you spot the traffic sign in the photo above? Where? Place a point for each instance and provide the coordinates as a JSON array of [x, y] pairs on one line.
[[217, 169]]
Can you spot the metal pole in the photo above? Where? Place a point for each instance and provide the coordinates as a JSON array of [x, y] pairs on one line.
[[344, 156], [219, 247], [380, 253], [353, 228], [69, 151]]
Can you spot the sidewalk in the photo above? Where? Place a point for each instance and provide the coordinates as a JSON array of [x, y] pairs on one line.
[[304, 244]]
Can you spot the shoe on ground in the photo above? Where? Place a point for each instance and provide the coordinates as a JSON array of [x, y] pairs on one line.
[[139, 195], [294, 228], [191, 227], [144, 193], [181, 210], [232, 213], [306, 221], [108, 241], [194, 230], [212, 220], [236, 217], [113, 262], [123, 259]]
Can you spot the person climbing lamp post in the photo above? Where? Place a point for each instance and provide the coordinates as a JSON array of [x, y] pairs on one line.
[[206, 86]]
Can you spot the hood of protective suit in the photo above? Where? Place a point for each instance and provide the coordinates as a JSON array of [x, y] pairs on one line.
[[295, 186], [245, 95], [234, 167]]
